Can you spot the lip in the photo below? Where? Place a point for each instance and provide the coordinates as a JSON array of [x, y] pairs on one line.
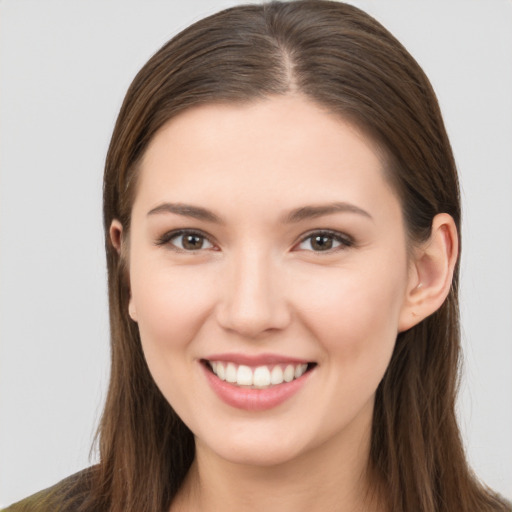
[[255, 360], [250, 399]]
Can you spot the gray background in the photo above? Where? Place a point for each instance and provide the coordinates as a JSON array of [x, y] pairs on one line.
[[64, 68]]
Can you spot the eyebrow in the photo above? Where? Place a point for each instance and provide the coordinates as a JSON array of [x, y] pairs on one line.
[[311, 212], [294, 216], [187, 210]]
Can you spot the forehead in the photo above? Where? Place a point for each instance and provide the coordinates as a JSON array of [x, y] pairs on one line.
[[275, 151]]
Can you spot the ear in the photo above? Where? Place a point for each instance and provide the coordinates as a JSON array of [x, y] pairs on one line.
[[116, 237], [431, 273]]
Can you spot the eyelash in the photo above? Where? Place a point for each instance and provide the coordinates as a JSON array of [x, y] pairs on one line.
[[344, 241], [168, 237]]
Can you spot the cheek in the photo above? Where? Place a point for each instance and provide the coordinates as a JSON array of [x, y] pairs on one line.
[[171, 306], [170, 303], [354, 313]]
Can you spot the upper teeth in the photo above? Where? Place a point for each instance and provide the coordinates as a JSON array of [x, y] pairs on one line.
[[259, 377]]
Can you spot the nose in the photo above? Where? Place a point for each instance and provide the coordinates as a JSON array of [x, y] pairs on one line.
[[253, 300]]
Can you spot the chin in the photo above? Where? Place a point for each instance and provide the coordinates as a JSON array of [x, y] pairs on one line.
[[261, 447], [258, 456], [255, 450]]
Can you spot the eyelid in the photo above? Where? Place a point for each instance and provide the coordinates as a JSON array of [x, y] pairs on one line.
[[344, 239], [169, 235]]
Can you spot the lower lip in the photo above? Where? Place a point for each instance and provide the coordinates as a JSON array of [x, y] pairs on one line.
[[254, 399]]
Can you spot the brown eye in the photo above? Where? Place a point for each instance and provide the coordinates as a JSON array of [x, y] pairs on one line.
[[325, 241], [190, 242], [321, 242]]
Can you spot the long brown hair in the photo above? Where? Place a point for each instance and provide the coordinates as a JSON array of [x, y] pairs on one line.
[[343, 59]]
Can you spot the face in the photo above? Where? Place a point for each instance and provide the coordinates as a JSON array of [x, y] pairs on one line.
[[268, 271]]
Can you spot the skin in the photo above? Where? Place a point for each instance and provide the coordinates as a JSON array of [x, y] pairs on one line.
[[256, 284]]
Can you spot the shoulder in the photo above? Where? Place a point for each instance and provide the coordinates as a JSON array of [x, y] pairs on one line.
[[65, 496]]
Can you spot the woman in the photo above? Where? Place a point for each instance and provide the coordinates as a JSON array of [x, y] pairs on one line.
[[282, 227]]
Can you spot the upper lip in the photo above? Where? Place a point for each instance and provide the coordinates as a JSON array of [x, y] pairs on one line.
[[256, 360]]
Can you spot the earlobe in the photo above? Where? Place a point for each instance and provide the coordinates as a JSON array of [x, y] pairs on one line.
[[131, 309], [431, 273]]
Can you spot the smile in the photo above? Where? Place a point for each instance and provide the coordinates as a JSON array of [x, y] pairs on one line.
[[256, 384], [259, 377]]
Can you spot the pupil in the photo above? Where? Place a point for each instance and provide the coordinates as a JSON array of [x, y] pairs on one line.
[[192, 242], [322, 243]]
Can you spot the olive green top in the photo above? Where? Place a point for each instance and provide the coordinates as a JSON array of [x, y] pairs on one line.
[[65, 496]]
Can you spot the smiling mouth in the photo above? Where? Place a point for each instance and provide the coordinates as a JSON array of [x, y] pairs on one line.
[[258, 377]]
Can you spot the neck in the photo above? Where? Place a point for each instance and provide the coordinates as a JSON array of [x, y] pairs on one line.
[[331, 477]]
